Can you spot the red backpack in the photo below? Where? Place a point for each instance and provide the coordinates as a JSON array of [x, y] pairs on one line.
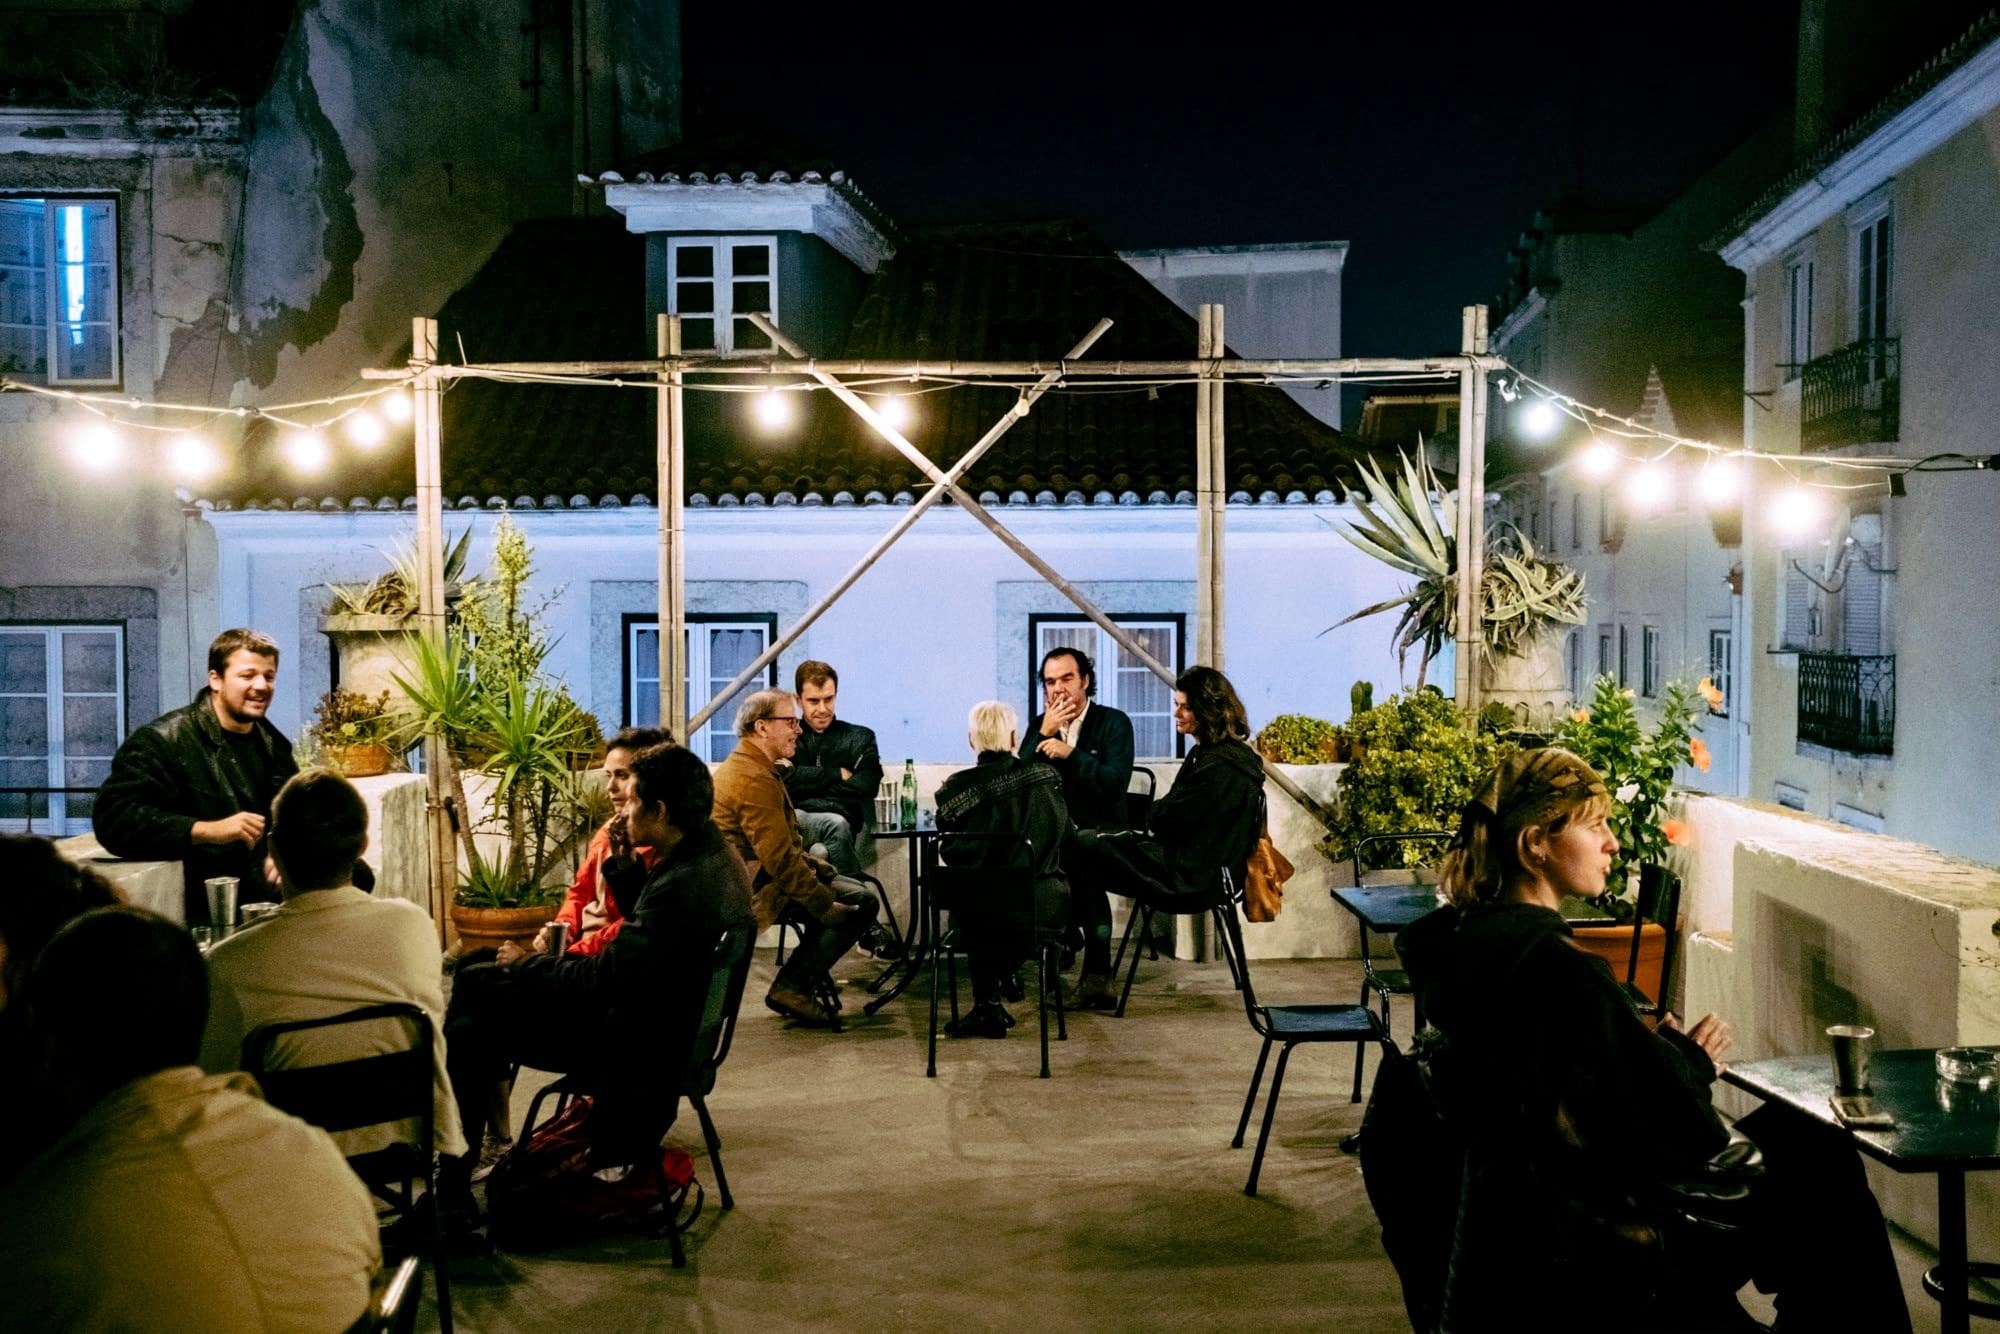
[[545, 1194]]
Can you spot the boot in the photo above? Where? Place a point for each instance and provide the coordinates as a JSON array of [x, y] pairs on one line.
[[1095, 992], [794, 1002]]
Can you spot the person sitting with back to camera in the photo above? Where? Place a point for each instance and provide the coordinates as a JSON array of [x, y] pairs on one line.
[[613, 870], [1002, 794], [1208, 821], [1572, 1113]]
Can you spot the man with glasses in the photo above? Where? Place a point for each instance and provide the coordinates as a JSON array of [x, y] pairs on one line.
[[1090, 745], [756, 817]]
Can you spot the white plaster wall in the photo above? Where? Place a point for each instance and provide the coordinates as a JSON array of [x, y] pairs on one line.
[[917, 640]]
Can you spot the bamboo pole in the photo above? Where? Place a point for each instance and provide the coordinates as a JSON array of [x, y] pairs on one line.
[[1228, 369], [671, 467], [941, 482], [1470, 527], [1216, 502], [1205, 482], [427, 415], [1029, 397]]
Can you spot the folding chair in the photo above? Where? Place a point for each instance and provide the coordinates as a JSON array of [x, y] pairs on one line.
[[1659, 901], [1290, 1025], [369, 1091], [994, 872], [392, 1301], [729, 967]]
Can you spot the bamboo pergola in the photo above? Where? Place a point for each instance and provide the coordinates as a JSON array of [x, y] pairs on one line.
[[1211, 370]]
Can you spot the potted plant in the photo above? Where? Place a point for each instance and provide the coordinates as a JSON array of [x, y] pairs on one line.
[[1523, 597], [1638, 766], [1294, 738], [483, 692], [368, 622], [1412, 767], [350, 730]]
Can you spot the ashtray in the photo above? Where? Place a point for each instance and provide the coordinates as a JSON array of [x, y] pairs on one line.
[[1977, 1066]]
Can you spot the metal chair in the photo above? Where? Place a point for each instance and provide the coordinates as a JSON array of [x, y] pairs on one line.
[[729, 968], [1383, 982], [369, 1091], [1289, 1025], [993, 873], [1659, 901], [1139, 790], [392, 1301]]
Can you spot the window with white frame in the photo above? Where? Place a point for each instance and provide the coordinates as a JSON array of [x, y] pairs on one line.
[[59, 290], [62, 715], [1123, 682], [719, 646], [1798, 312], [716, 283], [1649, 660], [1721, 667], [1873, 266]]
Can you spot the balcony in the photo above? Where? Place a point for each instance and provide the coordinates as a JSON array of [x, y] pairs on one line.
[[1848, 702], [1851, 397]]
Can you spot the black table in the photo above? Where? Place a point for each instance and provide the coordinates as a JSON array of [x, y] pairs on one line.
[[916, 939], [1928, 1137]]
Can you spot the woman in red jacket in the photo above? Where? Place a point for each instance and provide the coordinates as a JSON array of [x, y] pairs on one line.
[[601, 896]]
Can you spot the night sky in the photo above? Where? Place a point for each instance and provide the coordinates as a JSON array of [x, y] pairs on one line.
[[1426, 140]]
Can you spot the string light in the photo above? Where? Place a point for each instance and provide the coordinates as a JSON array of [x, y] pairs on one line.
[[1597, 460], [1650, 486], [1539, 419], [396, 405], [306, 451], [365, 429], [1796, 512], [97, 447], [894, 409], [192, 458], [774, 409], [1721, 481]]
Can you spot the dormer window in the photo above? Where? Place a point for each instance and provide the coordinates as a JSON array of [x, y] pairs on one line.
[[716, 283]]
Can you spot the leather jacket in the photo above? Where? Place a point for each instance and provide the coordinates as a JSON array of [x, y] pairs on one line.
[[176, 770], [813, 777]]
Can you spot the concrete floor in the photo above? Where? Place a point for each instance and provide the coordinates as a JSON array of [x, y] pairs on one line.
[[870, 1197]]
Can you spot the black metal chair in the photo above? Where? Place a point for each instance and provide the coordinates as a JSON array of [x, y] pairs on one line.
[[729, 969], [1659, 901], [369, 1091], [1289, 1025], [985, 890], [1139, 790], [1145, 910], [1383, 983], [392, 1301]]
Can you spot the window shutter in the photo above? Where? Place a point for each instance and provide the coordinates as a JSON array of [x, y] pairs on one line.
[[1798, 605], [1861, 596]]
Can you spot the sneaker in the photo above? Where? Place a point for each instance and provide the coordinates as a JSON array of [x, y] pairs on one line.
[[490, 1154], [988, 1019], [881, 942], [1094, 992]]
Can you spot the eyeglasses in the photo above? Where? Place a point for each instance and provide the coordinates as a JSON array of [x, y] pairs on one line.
[[781, 721]]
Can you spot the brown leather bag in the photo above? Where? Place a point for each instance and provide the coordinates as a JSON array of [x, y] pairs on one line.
[[1264, 881]]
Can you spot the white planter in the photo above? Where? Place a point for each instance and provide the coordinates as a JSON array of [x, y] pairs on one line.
[[372, 651], [1531, 684]]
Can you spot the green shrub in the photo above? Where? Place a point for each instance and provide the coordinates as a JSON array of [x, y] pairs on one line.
[[1294, 738], [1412, 766]]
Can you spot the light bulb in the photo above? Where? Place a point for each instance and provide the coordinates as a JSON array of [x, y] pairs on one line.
[[306, 451], [192, 458], [365, 429], [1650, 486], [1597, 460], [396, 405], [774, 410], [1796, 512], [1721, 481], [97, 447], [893, 409], [1539, 419]]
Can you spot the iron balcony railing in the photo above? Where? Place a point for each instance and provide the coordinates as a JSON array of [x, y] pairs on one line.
[[1847, 702], [1852, 397]]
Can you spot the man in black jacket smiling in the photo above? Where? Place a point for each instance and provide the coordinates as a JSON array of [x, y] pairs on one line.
[[195, 785], [834, 774]]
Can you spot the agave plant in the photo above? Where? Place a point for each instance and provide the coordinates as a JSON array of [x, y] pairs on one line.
[[1406, 524], [395, 593]]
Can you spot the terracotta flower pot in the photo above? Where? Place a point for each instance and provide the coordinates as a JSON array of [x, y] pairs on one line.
[[485, 928], [1613, 944], [364, 761]]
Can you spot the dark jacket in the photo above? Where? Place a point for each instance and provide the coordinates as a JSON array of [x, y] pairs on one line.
[[1096, 773], [1212, 814], [814, 780], [1003, 794], [176, 770], [650, 981]]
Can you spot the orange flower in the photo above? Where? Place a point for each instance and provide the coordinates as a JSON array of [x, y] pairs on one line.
[[1698, 752], [1711, 694], [1679, 832], [1580, 716]]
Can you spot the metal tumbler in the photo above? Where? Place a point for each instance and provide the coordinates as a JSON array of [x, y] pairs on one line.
[[558, 939], [222, 903], [1850, 1057]]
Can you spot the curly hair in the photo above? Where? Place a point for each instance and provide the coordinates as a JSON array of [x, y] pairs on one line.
[[1218, 713]]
